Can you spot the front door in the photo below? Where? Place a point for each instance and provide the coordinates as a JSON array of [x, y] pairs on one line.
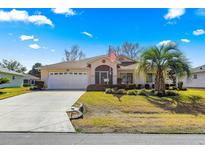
[[104, 77]]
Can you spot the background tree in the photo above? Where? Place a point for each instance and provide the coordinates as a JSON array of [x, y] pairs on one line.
[[160, 60], [127, 49], [35, 70], [75, 53], [13, 65]]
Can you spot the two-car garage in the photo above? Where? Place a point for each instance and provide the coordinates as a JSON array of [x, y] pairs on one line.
[[67, 80]]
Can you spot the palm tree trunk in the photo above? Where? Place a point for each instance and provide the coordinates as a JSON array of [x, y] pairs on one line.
[[159, 81]]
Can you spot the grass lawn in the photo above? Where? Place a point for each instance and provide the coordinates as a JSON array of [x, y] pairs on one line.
[[10, 92], [143, 114]]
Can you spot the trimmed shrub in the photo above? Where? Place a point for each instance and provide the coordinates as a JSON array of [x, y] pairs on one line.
[[109, 90], [131, 86], [139, 86], [132, 92], [96, 87], [159, 93], [147, 86], [152, 86], [39, 85], [142, 92], [120, 91]]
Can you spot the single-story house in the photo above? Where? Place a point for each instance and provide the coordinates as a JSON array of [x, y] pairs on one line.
[[95, 70], [197, 78], [15, 78], [30, 80]]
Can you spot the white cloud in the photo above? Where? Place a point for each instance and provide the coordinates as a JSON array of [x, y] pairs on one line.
[[23, 16], [36, 40], [26, 37], [66, 11], [34, 46], [174, 13], [198, 32], [185, 40], [166, 42], [87, 34]]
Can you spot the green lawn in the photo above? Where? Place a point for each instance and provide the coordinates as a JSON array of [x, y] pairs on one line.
[[142, 114], [10, 92]]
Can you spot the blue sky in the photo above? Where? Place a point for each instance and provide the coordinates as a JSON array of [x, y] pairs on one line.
[[41, 35]]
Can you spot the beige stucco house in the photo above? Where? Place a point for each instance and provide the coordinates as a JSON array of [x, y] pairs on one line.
[[95, 70]]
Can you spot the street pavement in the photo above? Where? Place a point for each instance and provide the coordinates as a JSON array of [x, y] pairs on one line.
[[99, 139]]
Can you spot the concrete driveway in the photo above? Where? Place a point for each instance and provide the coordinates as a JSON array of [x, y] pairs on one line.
[[43, 111]]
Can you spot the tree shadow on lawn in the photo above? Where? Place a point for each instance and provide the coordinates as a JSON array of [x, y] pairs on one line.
[[178, 104]]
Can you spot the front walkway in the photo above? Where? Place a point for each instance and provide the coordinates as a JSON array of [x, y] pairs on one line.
[[43, 111]]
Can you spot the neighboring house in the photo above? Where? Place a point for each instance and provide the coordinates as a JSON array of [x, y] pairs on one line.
[[15, 79], [197, 78], [30, 80], [95, 70]]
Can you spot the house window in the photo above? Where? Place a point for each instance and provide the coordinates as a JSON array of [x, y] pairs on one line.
[[13, 77], [149, 78], [126, 78], [56, 73], [32, 82], [195, 76]]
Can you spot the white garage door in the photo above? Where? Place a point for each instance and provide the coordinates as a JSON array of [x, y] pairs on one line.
[[67, 80]]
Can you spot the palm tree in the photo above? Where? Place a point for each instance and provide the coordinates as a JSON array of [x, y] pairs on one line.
[[160, 59]]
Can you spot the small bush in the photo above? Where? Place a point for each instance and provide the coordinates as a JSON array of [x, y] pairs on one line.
[[109, 90], [147, 86], [4, 80], [131, 86], [152, 86], [143, 92], [39, 85], [159, 93], [120, 91], [139, 86], [132, 92]]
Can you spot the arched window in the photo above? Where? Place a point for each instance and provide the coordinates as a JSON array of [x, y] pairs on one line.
[[103, 74]]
